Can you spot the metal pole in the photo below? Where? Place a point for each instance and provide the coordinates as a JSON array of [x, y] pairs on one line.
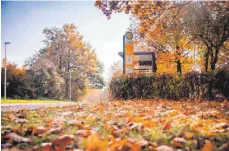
[[70, 85], [5, 76], [195, 57], [124, 41]]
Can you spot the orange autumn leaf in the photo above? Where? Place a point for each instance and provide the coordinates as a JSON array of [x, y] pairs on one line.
[[39, 130], [208, 146], [149, 124], [10, 116], [187, 112], [167, 126]]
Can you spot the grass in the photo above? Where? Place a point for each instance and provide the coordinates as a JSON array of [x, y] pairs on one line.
[[41, 100]]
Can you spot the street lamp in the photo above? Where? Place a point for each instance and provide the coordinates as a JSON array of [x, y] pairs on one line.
[[5, 71]]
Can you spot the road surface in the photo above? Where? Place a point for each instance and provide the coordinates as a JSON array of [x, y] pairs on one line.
[[93, 95], [30, 106]]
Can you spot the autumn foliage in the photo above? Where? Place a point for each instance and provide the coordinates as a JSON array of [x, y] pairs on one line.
[[18, 84], [160, 25]]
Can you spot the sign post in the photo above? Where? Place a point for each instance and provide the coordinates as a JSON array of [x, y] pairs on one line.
[[128, 53]]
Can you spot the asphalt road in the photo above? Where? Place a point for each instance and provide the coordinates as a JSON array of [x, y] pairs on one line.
[[31, 106]]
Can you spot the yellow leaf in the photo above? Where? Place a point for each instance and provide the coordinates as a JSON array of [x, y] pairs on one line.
[[189, 135], [95, 143], [10, 116]]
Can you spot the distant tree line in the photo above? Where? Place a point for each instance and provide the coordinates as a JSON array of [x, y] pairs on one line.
[[66, 58]]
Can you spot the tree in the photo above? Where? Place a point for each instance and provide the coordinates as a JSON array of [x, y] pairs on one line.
[[206, 22], [115, 70], [45, 80], [96, 80], [18, 85], [210, 25], [150, 24], [66, 59]]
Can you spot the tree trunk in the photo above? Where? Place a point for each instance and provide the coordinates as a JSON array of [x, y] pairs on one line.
[[154, 64], [206, 59], [179, 71], [67, 81], [178, 53], [214, 58]]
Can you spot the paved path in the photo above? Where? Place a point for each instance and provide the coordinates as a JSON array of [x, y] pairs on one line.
[[93, 95], [30, 106]]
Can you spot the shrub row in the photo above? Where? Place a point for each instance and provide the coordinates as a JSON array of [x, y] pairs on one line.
[[210, 85]]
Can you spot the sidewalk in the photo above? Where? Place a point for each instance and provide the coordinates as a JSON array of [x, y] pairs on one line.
[[31, 106]]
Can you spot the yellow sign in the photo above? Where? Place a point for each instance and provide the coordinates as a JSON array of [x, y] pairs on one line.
[[129, 58], [129, 48]]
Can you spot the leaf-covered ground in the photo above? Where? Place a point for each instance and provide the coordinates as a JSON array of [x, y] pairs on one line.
[[119, 125]]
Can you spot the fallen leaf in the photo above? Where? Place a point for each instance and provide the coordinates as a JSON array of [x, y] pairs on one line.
[[167, 126], [95, 143], [55, 130], [76, 123], [164, 148], [61, 142], [83, 133], [189, 135], [16, 138], [46, 146], [39, 130], [10, 116], [208, 146]]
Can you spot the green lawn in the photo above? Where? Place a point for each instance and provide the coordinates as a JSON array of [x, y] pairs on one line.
[[10, 101]]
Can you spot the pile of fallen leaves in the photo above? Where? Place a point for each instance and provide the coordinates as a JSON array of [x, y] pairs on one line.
[[119, 125]]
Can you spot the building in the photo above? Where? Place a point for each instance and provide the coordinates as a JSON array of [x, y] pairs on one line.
[[140, 62]]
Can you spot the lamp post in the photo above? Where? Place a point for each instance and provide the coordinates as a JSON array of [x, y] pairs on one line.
[[70, 78], [5, 72], [70, 86]]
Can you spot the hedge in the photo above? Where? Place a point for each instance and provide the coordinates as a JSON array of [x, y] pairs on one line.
[[210, 85]]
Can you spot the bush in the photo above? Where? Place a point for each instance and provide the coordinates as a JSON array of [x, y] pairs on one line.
[[18, 83], [209, 85]]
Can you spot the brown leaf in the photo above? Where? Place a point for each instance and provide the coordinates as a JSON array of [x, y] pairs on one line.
[[76, 123], [6, 127], [61, 142], [167, 126], [16, 138], [83, 133], [39, 130], [46, 146], [164, 148], [225, 146], [57, 130], [179, 141], [21, 120]]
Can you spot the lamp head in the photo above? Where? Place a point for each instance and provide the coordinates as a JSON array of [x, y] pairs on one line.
[[7, 43]]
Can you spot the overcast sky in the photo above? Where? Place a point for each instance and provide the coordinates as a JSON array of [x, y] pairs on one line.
[[23, 22]]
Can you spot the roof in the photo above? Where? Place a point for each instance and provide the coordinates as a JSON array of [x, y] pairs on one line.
[[139, 53]]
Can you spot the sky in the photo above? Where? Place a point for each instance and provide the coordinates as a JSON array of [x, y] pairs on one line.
[[23, 23]]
